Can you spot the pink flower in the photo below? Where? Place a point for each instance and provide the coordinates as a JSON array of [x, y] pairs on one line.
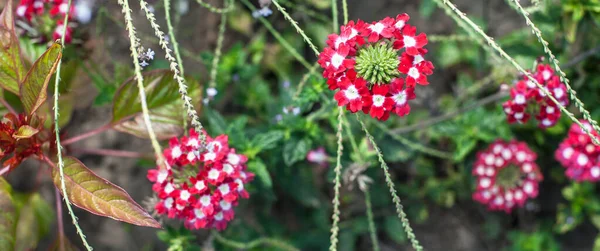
[[579, 155], [506, 175], [318, 156]]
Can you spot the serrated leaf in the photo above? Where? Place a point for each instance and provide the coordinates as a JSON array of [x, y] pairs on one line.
[[7, 217], [35, 217], [98, 196], [11, 68], [258, 167], [294, 151], [160, 88], [34, 87], [267, 141], [25, 132], [216, 121]]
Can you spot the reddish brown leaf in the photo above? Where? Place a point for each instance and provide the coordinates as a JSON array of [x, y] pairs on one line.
[[25, 132], [34, 87], [11, 68], [98, 196]]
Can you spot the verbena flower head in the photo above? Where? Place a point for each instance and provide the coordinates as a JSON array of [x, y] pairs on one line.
[[506, 175], [527, 100], [578, 154], [201, 189], [44, 18], [375, 66]]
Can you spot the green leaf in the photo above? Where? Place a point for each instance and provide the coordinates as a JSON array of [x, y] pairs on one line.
[[161, 89], [7, 217], [34, 87], [258, 167], [267, 141], [216, 121], [165, 126], [294, 151], [98, 196], [12, 71], [35, 217], [25, 132], [393, 229]]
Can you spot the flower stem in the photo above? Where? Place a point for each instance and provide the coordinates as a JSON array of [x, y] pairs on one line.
[[390, 184], [372, 228], [280, 245], [60, 162], [8, 106], [217, 54], [336, 187], [295, 24], [59, 219], [334, 15]]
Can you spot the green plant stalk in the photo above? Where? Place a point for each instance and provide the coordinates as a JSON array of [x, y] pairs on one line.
[[372, 228], [334, 16], [345, 10], [174, 65], [451, 7], [311, 71], [337, 183], [214, 9], [388, 179], [281, 245], [171, 32], [217, 55], [60, 162], [295, 24], [280, 38], [353, 140], [556, 64]]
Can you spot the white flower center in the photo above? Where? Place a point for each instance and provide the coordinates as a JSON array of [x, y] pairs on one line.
[[377, 28], [224, 188], [490, 171], [520, 99], [213, 174], [169, 203], [550, 109], [519, 115], [210, 156], [546, 122], [337, 60], [225, 205], [21, 11], [62, 8], [528, 188], [227, 168], [558, 92], [485, 182], [400, 98], [506, 154], [233, 158], [521, 156], [351, 93], [162, 175], [199, 214], [527, 167], [240, 185], [489, 159], [595, 171], [400, 24], [582, 159], [184, 195], [508, 196], [530, 84], [219, 216], [378, 100], [414, 73], [567, 153], [205, 200], [199, 185], [546, 75], [499, 200], [193, 143], [418, 59], [176, 152], [191, 156], [169, 188], [480, 170], [409, 41], [499, 162], [518, 195]]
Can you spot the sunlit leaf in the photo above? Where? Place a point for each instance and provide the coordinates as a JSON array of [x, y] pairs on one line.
[[25, 132], [12, 71], [98, 196], [34, 87], [7, 217], [35, 217], [165, 126]]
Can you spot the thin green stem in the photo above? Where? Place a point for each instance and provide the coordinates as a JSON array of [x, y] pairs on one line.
[[214, 9], [175, 65], [279, 37], [451, 7], [295, 24], [345, 10], [388, 179], [311, 71], [171, 32], [334, 16], [337, 183], [217, 54], [556, 64], [353, 140], [414, 145], [446, 38], [133, 46], [281, 245], [372, 229], [60, 162]]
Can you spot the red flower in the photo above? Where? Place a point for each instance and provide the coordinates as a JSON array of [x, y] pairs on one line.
[[351, 94], [379, 103], [378, 30], [206, 198], [579, 155], [506, 175], [409, 41], [401, 96]]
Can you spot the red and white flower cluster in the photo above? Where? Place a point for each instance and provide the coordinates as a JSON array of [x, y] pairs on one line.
[[579, 155], [200, 188], [507, 175], [527, 99], [339, 61], [33, 11]]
